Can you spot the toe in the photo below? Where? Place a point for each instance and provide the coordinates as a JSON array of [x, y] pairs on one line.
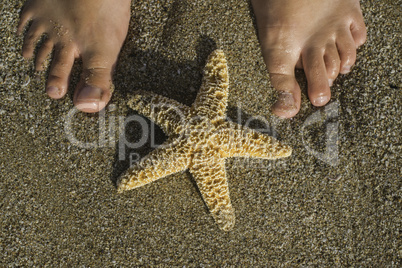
[[332, 62], [359, 32], [95, 88], [316, 73], [289, 96], [32, 36], [42, 54], [281, 67], [57, 82], [24, 18], [347, 50]]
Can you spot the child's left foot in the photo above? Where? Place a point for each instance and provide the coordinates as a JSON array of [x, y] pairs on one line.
[[91, 29]]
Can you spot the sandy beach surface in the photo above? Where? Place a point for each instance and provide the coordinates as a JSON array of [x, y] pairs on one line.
[[335, 202]]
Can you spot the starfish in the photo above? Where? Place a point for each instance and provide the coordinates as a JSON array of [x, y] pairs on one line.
[[200, 139]]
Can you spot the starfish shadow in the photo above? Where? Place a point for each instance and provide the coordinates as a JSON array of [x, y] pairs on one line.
[[152, 71], [155, 73], [259, 123]]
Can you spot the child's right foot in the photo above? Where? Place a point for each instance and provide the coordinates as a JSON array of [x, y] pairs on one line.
[[92, 29], [320, 36]]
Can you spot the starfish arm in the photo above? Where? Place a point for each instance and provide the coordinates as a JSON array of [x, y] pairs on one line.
[[169, 158], [212, 98], [210, 176], [167, 113], [238, 141]]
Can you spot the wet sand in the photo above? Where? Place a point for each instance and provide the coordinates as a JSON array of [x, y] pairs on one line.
[[335, 201]]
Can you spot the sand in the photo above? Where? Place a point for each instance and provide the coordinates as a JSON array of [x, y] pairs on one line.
[[335, 202]]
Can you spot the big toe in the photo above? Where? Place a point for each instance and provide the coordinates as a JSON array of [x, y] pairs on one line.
[[289, 97], [281, 68], [95, 88]]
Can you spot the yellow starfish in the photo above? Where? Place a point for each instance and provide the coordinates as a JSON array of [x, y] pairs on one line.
[[199, 140]]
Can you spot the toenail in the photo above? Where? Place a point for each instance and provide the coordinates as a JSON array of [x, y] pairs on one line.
[[90, 107], [286, 100], [319, 101], [90, 93], [330, 82], [53, 91], [346, 69]]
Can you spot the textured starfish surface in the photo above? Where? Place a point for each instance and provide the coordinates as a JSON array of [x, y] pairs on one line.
[[199, 140]]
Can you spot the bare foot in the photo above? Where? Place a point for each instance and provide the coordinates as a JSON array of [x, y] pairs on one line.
[[320, 36], [92, 29]]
